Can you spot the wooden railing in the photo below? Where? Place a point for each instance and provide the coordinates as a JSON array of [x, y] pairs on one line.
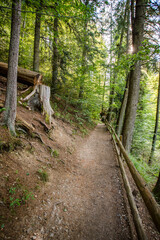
[[150, 202]]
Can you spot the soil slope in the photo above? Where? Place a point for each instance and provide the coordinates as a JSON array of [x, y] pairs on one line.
[[82, 198]]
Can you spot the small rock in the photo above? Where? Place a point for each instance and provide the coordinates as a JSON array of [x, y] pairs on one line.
[[42, 230], [29, 230], [33, 237]]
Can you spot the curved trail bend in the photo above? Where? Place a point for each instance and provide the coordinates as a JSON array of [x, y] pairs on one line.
[[91, 204]]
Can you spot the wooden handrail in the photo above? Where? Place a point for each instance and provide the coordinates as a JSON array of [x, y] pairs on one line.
[[150, 202], [137, 220]]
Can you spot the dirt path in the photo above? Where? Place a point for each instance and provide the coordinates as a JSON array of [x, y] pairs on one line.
[[89, 203]]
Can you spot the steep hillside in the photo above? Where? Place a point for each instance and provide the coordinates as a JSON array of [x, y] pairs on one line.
[[29, 161]]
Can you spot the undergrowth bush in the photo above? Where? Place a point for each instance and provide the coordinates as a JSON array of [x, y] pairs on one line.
[[149, 173]]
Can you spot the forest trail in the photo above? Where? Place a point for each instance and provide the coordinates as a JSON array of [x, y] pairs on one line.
[[90, 204]]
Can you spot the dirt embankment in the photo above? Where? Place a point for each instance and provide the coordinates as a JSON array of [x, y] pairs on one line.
[[75, 184]]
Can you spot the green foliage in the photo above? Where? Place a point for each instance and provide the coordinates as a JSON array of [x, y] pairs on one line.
[[144, 128], [55, 153], [43, 175], [2, 109], [10, 145], [149, 173], [47, 118], [2, 226], [19, 195]]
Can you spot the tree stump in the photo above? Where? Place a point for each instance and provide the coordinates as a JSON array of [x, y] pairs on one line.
[[39, 99]]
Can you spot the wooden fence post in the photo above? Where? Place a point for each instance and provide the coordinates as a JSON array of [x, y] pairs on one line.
[[150, 202]]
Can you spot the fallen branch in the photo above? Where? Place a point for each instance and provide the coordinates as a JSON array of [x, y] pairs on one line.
[[24, 91]]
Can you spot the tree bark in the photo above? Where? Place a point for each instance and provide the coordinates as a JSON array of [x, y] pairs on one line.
[[84, 56], [123, 28], [132, 14], [11, 95], [113, 80], [128, 29], [55, 58], [121, 114], [156, 123], [37, 41], [135, 73], [156, 190], [104, 90], [111, 99], [122, 109]]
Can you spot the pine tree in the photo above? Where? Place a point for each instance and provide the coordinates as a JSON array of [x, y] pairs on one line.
[[11, 95]]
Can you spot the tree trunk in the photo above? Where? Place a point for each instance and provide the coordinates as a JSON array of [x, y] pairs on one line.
[[123, 29], [55, 58], [104, 90], [128, 29], [11, 95], [122, 109], [132, 14], [113, 80], [121, 115], [37, 41], [109, 111], [156, 190], [24, 76], [84, 53], [156, 123], [111, 98], [135, 73], [84, 56]]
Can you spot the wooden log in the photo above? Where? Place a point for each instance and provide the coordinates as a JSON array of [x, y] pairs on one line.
[[24, 76], [137, 220], [150, 202]]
